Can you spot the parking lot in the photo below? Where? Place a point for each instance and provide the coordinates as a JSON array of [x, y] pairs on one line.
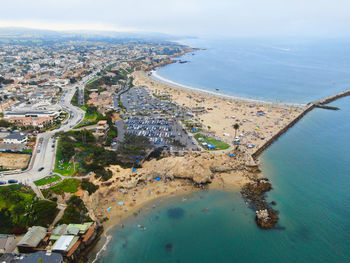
[[139, 100], [153, 117], [160, 131]]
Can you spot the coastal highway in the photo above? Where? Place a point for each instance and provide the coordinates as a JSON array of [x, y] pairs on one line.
[[44, 153]]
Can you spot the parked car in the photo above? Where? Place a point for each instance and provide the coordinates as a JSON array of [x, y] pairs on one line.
[[40, 169], [2, 182], [12, 181]]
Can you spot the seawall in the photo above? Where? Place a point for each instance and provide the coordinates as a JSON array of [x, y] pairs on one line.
[[309, 107], [283, 130], [332, 97]]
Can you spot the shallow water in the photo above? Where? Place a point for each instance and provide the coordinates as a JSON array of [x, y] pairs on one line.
[[311, 178], [309, 168]]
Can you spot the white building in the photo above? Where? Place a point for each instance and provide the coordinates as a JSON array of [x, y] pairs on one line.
[[16, 138]]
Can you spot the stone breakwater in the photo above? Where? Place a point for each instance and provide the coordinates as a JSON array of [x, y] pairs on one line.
[[282, 131], [308, 108], [266, 217]]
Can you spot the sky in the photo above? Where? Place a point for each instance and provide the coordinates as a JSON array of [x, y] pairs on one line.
[[184, 17]]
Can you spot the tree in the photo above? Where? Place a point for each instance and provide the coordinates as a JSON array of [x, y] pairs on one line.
[[236, 127], [67, 149], [88, 186], [44, 212]]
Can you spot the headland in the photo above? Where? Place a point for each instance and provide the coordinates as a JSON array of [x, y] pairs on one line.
[[235, 168]]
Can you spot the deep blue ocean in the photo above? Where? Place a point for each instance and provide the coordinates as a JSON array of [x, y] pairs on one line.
[[309, 166]]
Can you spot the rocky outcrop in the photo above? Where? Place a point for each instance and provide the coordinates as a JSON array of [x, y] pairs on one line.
[[266, 217]]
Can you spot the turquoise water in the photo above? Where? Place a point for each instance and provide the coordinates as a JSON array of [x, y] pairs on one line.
[[309, 168]]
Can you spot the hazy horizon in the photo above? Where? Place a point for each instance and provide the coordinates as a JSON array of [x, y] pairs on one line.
[[240, 18]]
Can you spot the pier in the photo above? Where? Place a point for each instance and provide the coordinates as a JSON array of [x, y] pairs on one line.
[[310, 106]]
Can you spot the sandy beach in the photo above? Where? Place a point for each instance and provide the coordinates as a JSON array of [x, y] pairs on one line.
[[258, 121], [127, 192]]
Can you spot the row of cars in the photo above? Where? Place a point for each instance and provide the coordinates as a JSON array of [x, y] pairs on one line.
[[157, 129], [147, 121], [12, 181]]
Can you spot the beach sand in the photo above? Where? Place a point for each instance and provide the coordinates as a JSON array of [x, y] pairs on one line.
[[255, 127], [177, 175], [258, 122]]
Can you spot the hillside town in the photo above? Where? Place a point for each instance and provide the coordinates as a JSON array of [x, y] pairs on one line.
[[88, 136], [59, 102]]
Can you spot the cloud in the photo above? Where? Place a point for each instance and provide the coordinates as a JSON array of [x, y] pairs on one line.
[[196, 17]]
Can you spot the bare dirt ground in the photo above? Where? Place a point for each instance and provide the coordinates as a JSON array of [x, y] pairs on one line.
[[14, 160]]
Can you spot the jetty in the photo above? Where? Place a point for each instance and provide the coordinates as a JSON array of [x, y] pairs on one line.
[[310, 106]]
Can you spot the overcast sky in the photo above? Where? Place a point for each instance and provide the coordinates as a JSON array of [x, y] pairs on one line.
[[185, 17]]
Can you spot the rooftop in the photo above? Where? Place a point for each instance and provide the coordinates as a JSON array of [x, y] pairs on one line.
[[33, 237]]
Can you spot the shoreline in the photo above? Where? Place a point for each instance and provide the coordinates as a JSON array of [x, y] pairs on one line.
[[156, 77], [117, 222]]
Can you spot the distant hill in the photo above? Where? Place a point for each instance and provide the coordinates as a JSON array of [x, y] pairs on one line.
[[28, 33]]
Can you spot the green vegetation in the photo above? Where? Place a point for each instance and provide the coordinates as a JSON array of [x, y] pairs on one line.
[[219, 145], [66, 186], [88, 156], [190, 124], [75, 213], [91, 117], [4, 123], [113, 131], [20, 209], [74, 100], [91, 81], [63, 163], [132, 147], [47, 180], [121, 105], [88, 186]]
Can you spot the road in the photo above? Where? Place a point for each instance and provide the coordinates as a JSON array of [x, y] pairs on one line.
[[44, 155]]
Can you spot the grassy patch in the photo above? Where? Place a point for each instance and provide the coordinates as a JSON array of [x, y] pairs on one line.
[[219, 145], [66, 186], [92, 80], [63, 167], [47, 180], [19, 209], [89, 118]]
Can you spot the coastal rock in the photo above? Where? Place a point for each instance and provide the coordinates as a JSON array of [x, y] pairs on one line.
[[221, 168], [266, 217]]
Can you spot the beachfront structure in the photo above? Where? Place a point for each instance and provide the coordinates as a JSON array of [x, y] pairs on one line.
[[32, 239], [66, 240]]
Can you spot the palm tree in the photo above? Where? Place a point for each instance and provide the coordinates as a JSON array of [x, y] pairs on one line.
[[236, 127]]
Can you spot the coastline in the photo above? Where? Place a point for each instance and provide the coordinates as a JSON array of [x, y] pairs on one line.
[[220, 183], [156, 77], [115, 221]]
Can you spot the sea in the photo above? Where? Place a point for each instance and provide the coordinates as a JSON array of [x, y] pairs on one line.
[[309, 166]]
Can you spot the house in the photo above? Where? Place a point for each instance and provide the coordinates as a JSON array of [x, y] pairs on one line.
[[7, 243], [68, 246], [15, 138], [32, 121], [32, 239], [101, 129], [36, 114]]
